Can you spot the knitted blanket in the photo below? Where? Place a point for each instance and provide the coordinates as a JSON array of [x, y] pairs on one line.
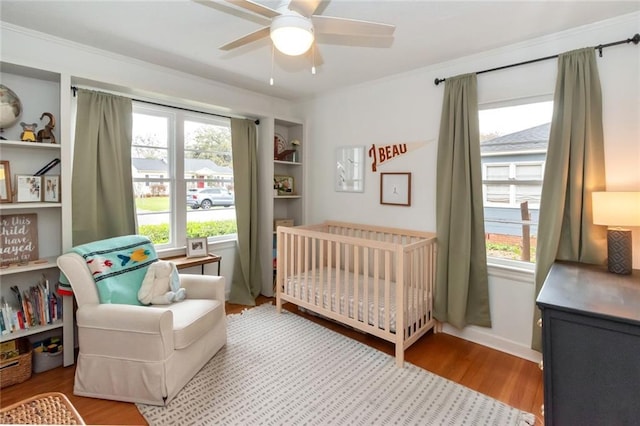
[[118, 266]]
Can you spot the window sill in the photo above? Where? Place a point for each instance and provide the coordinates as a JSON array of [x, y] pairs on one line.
[[511, 269], [217, 244]]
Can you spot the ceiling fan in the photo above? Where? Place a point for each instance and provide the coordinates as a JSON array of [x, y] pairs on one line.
[[294, 26]]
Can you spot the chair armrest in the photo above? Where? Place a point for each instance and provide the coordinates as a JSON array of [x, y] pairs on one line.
[[203, 286], [141, 319], [126, 331]]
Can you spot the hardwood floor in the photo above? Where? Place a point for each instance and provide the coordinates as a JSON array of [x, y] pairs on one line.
[[510, 379]]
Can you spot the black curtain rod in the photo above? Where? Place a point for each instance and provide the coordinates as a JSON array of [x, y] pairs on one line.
[[75, 90], [635, 40]]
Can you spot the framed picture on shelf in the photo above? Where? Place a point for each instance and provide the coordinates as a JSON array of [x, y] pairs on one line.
[[197, 247], [23, 249], [28, 189], [5, 182], [395, 189], [279, 145], [51, 185], [283, 185], [350, 169]]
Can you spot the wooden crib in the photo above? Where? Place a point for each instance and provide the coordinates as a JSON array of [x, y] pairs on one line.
[[376, 279]]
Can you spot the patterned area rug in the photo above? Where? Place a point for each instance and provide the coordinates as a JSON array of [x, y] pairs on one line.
[[286, 370]]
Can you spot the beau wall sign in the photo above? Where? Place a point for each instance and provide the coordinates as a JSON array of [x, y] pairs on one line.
[[18, 238], [382, 153]]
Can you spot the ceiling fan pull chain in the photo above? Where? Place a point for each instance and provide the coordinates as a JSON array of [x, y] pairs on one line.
[[272, 54], [313, 59]]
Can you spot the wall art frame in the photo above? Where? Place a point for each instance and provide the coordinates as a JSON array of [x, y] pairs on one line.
[[284, 185], [5, 182], [197, 247], [51, 188], [28, 189], [349, 169], [395, 189]]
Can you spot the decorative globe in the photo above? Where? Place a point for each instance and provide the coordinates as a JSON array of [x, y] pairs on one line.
[[10, 107]]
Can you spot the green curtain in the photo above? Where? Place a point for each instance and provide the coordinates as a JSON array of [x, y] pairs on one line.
[[246, 282], [574, 169], [102, 191], [462, 284]]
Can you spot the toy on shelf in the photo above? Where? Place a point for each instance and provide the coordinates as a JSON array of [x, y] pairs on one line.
[[46, 134], [28, 132]]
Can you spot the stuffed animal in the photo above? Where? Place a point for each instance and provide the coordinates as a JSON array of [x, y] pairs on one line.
[[161, 285]]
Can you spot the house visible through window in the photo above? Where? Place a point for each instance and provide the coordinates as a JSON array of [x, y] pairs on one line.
[[513, 148], [182, 175]]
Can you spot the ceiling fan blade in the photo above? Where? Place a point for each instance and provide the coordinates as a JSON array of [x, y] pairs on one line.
[[314, 56], [351, 27], [255, 8], [304, 7], [249, 38]]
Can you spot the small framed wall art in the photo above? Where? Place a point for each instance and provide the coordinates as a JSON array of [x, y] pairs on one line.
[[395, 189], [283, 185], [51, 185], [5, 182], [197, 247], [28, 189], [350, 169]]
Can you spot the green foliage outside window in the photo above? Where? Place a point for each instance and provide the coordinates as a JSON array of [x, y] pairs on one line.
[[159, 234], [508, 251]]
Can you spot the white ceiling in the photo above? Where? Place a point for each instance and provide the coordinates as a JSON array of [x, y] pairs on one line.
[[185, 35]]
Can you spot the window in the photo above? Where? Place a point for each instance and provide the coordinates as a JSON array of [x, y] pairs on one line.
[[182, 175], [513, 147]]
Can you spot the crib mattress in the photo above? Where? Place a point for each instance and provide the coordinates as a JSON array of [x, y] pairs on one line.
[[346, 298]]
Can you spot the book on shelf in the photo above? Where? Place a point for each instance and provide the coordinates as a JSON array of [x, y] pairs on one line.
[[36, 306]]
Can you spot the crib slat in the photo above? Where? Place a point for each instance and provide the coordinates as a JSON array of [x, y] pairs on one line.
[[329, 278], [400, 308], [314, 275], [322, 269], [356, 284], [365, 285], [387, 291], [376, 287]]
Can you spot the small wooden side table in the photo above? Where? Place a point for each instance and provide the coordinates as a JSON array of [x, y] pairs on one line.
[[183, 262]]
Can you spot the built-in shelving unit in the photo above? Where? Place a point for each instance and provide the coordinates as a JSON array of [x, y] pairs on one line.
[[39, 91], [281, 158], [289, 206], [40, 264]]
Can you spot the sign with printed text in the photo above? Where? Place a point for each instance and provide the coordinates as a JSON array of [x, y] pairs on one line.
[[384, 153], [18, 238]]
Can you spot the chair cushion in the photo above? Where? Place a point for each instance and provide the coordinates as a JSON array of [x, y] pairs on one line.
[[192, 318]]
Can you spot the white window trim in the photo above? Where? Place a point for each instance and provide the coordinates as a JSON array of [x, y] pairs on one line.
[[499, 266], [176, 179]]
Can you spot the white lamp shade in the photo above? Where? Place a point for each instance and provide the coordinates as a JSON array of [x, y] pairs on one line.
[[616, 208], [291, 34]]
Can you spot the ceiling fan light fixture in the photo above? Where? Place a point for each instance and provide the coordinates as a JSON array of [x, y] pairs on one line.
[[292, 34]]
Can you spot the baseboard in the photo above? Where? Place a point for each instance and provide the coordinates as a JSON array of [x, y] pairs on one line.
[[480, 336]]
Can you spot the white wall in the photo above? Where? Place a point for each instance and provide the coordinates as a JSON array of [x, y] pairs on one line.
[[406, 108]]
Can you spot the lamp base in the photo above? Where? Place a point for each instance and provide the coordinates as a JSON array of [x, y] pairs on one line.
[[619, 249]]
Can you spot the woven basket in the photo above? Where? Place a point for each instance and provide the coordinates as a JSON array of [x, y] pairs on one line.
[[17, 369], [52, 408]]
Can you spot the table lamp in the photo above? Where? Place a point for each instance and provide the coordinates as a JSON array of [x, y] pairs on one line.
[[617, 210]]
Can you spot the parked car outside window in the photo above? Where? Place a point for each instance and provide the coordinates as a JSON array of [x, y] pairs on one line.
[[209, 197]]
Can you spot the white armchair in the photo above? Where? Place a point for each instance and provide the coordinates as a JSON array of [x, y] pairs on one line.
[[143, 354]]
